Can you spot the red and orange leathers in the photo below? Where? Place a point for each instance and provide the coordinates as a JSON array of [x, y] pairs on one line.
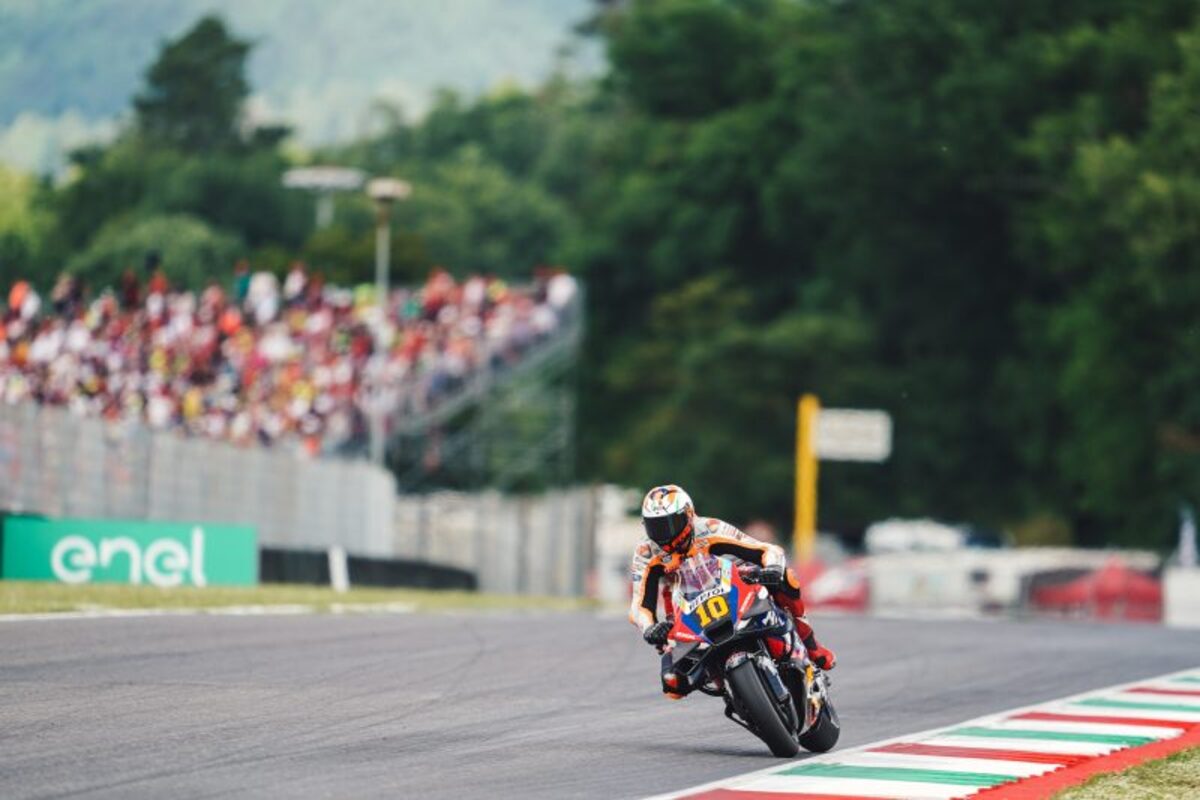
[[651, 564]]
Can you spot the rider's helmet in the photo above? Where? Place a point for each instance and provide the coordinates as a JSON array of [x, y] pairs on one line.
[[667, 514]]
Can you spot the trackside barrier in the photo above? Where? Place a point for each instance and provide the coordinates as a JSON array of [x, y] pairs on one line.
[[60, 465], [1181, 597], [279, 565], [976, 579], [516, 544]]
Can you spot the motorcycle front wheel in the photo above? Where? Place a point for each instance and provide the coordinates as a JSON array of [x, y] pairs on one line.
[[824, 733], [754, 702]]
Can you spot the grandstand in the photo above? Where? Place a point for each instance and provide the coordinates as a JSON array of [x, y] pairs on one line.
[[298, 364]]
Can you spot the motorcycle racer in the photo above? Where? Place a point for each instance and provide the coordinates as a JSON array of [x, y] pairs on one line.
[[673, 530]]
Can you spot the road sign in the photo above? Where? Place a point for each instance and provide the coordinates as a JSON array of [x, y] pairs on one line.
[[833, 434], [847, 434]]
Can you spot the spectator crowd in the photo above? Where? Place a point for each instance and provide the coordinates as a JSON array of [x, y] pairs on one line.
[[296, 362]]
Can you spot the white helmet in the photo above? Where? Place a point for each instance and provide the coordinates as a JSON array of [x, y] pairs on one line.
[[667, 513]]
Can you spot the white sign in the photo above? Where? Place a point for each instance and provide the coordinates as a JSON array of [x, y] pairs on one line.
[[326, 179], [847, 434]]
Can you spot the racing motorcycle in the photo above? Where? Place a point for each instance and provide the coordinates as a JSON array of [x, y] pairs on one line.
[[720, 644]]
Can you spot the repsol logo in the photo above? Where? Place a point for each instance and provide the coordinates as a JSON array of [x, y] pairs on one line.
[[162, 562]]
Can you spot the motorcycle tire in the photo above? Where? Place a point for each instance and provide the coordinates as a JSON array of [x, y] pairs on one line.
[[824, 733], [755, 703]]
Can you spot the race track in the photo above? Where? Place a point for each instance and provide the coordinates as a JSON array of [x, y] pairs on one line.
[[497, 706]]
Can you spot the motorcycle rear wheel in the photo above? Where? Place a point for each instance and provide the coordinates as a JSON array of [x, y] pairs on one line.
[[755, 703]]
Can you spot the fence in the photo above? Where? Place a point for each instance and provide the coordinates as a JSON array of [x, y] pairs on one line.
[[58, 464], [525, 544], [55, 463]]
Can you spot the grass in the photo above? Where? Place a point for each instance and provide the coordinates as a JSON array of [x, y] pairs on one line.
[[1176, 776], [29, 597]]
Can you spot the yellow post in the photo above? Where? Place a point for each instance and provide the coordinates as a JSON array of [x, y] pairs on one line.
[[805, 531]]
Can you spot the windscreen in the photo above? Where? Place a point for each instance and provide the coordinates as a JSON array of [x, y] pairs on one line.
[[700, 574]]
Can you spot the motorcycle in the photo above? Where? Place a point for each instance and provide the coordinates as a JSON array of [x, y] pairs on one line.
[[720, 644]]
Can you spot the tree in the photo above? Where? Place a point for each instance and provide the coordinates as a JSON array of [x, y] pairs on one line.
[[192, 253], [185, 155], [472, 216], [194, 90], [347, 257], [238, 191], [691, 58], [1120, 288], [711, 394], [24, 226], [957, 174]]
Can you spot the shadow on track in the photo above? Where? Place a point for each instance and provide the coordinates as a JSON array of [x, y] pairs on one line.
[[752, 750]]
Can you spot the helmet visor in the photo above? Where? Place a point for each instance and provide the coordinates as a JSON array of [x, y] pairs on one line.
[[664, 530]]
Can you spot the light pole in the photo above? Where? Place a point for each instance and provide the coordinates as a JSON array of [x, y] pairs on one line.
[[323, 182], [385, 192]]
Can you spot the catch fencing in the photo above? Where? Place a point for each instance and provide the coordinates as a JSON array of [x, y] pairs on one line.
[[522, 544], [58, 464]]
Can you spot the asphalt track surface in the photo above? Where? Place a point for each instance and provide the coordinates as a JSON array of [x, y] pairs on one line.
[[453, 706]]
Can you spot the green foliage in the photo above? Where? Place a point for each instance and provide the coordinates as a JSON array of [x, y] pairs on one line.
[[106, 184], [1119, 242], [693, 58], [347, 258], [195, 89], [237, 191], [193, 253], [510, 126], [1004, 191], [473, 216], [24, 225], [184, 157], [241, 192], [710, 389]]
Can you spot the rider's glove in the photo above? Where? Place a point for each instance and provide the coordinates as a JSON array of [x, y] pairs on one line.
[[656, 634], [771, 577], [823, 657]]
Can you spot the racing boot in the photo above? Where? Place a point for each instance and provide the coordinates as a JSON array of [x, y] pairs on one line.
[[673, 684], [787, 596]]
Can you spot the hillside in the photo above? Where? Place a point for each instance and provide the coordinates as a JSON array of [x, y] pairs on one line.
[[68, 68]]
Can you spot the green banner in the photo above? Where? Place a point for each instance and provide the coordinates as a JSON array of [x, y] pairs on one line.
[[116, 551]]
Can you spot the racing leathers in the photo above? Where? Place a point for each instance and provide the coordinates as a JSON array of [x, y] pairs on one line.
[[652, 573]]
